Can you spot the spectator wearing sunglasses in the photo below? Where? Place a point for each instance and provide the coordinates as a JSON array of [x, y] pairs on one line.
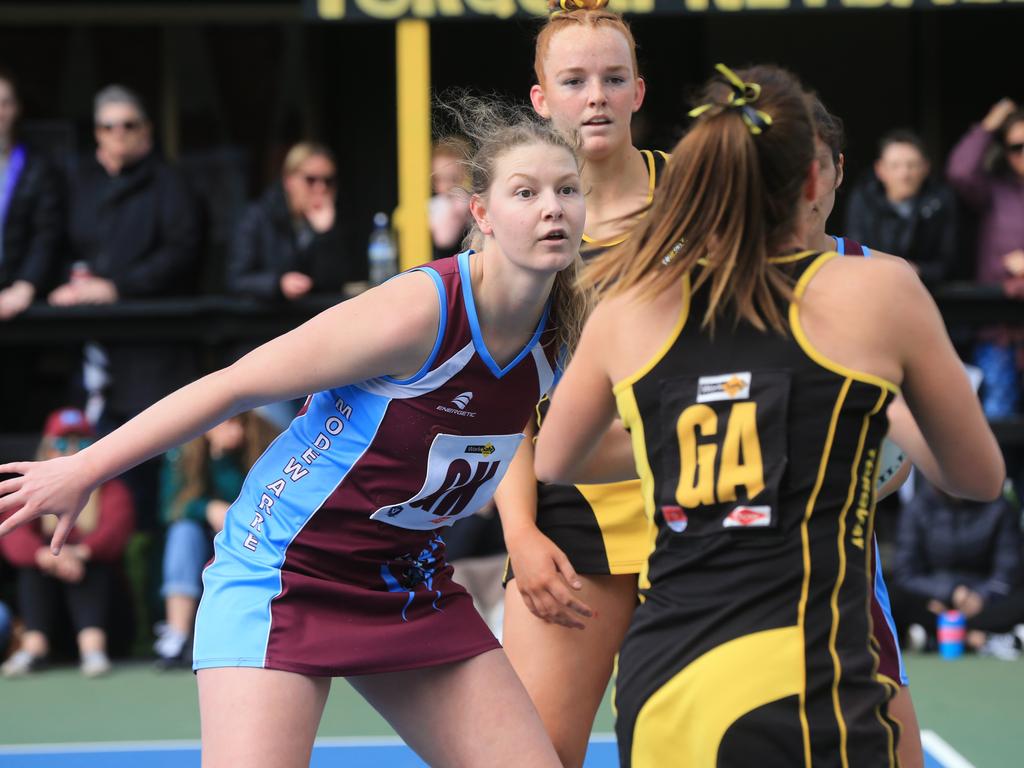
[[133, 232], [987, 169], [82, 575], [133, 225], [288, 244]]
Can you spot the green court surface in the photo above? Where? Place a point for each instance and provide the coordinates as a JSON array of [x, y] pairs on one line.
[[975, 705]]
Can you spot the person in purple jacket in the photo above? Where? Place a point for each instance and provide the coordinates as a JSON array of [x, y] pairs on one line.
[[986, 168]]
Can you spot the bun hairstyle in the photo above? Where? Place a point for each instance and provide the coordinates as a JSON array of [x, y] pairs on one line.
[[492, 128], [728, 201], [586, 13]]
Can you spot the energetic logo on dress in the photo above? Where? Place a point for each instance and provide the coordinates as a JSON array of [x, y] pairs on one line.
[[461, 403], [462, 475]]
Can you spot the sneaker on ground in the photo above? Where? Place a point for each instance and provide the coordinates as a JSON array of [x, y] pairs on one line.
[[20, 664], [1003, 647], [95, 663], [170, 644]]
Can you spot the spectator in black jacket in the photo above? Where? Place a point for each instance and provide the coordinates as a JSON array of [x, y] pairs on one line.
[[901, 209], [30, 212], [962, 555], [288, 244], [133, 224], [133, 233]]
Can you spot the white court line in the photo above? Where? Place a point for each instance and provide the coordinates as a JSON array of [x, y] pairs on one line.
[[941, 750], [176, 745]]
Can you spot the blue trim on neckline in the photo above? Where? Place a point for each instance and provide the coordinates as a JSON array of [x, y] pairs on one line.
[[840, 245], [474, 322], [442, 297]]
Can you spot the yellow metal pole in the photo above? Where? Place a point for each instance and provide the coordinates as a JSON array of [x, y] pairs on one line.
[[412, 51]]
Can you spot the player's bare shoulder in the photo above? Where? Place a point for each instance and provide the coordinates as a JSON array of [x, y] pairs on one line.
[[633, 327], [867, 284]]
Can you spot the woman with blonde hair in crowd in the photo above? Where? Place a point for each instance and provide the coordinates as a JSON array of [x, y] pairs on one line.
[[289, 243]]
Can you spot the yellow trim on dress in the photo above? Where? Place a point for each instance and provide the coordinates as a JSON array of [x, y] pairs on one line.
[[801, 613], [684, 312], [652, 182], [809, 349], [629, 413]]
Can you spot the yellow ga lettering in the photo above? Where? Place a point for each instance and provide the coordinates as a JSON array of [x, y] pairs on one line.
[[741, 462]]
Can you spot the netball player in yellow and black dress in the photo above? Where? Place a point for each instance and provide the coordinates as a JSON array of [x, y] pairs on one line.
[[580, 545], [753, 377]]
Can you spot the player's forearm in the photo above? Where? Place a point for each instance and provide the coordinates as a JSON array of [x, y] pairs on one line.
[[611, 461], [516, 496]]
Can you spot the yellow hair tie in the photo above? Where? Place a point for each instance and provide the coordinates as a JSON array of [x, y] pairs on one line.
[[740, 98], [568, 6]]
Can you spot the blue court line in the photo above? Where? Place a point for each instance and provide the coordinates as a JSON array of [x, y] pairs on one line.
[[328, 753]]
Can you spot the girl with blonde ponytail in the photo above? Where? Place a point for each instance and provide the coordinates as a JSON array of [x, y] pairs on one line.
[[579, 548], [753, 376]]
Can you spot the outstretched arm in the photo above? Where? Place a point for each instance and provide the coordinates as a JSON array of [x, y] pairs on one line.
[[357, 340]]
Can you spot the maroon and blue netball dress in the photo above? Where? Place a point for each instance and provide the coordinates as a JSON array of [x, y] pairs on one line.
[[331, 561], [883, 627]]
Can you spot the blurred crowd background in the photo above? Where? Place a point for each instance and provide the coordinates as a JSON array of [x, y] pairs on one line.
[[153, 155]]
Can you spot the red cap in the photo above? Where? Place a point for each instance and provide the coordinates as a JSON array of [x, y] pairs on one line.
[[67, 421]]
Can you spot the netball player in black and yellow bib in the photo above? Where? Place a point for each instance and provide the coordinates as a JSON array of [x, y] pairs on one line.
[[753, 377], [583, 545]]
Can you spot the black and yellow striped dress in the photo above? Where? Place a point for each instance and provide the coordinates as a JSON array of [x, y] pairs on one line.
[[601, 528], [758, 458]]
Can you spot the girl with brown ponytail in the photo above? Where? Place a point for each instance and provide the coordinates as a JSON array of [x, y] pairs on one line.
[[753, 377], [572, 548]]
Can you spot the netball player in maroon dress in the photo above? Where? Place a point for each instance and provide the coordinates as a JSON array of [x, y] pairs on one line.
[[828, 151], [331, 562]]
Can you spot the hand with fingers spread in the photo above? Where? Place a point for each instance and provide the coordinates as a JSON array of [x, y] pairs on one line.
[[547, 581], [54, 487]]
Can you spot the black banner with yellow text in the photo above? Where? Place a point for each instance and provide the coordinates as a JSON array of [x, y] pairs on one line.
[[387, 10]]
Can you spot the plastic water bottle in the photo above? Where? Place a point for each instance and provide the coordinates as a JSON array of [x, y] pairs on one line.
[[952, 630], [381, 254]]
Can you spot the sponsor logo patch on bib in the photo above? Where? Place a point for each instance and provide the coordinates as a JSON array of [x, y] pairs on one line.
[[728, 386], [748, 517]]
